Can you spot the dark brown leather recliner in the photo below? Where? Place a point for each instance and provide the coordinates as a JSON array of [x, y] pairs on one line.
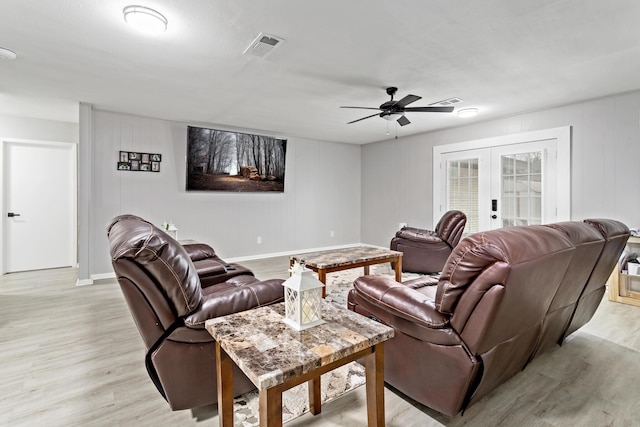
[[169, 305], [426, 251], [503, 297]]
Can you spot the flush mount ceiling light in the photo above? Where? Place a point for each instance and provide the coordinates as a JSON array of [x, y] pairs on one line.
[[468, 112], [7, 54], [145, 19]]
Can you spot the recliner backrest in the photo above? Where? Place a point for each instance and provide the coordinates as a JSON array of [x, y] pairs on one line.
[[588, 243], [615, 234], [451, 226], [525, 264], [498, 286], [157, 264]]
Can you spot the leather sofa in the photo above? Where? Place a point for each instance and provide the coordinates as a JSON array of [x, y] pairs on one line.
[[169, 304], [504, 297], [426, 251]]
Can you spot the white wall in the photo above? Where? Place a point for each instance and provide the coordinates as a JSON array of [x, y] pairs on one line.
[[37, 129], [397, 174], [322, 193]]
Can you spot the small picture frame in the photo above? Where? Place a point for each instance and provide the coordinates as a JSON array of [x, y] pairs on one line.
[[156, 157], [135, 156], [124, 166], [124, 156], [155, 166], [146, 167], [135, 165], [145, 157]]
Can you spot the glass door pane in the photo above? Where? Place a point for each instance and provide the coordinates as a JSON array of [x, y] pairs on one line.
[[521, 192], [521, 174], [462, 191]]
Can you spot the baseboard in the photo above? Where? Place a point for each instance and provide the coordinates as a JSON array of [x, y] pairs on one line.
[[100, 277]]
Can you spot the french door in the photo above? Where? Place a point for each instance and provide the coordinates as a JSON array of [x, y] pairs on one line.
[[501, 185]]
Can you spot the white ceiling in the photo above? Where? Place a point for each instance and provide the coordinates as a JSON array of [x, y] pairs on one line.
[[500, 56]]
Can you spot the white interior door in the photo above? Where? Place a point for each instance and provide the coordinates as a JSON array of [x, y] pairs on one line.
[[40, 205]]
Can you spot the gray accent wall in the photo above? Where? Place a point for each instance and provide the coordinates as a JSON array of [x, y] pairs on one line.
[[605, 154], [322, 193]]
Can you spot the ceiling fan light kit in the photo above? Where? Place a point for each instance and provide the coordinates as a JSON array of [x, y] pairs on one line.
[[395, 110]]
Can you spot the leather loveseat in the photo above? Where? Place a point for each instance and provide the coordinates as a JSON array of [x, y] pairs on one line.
[[169, 304], [504, 296]]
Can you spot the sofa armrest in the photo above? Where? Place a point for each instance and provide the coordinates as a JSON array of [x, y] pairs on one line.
[[198, 251], [236, 299], [209, 267], [400, 301], [419, 235]]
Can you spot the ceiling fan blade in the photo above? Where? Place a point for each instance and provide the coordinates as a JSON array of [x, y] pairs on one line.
[[403, 121], [362, 108], [368, 117], [430, 109], [407, 100]]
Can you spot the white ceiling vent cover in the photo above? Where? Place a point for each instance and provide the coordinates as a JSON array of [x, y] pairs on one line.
[[263, 45], [446, 102]]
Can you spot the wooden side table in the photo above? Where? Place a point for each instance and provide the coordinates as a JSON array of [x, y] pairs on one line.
[[276, 357]]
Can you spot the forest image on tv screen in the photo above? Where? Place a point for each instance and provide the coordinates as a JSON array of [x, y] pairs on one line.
[[231, 161]]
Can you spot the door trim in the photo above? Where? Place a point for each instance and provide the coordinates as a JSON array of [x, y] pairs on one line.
[[562, 135], [74, 196]]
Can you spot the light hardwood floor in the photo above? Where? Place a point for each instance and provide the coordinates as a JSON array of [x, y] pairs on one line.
[[71, 356]]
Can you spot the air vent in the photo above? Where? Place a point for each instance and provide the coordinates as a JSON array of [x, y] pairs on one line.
[[446, 102], [263, 45]]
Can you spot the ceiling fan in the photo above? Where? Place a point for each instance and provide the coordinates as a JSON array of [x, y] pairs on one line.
[[394, 110]]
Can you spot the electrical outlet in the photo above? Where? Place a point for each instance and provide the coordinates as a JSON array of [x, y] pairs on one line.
[[259, 240], [402, 224], [332, 233]]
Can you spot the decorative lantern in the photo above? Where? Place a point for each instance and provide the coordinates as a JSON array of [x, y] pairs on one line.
[[171, 229], [302, 298]]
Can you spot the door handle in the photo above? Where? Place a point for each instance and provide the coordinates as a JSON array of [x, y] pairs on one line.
[[494, 216], [11, 214]]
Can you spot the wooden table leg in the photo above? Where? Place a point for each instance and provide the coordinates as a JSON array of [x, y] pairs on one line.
[[224, 371], [366, 270], [315, 402], [398, 268], [322, 276], [270, 402], [374, 371]]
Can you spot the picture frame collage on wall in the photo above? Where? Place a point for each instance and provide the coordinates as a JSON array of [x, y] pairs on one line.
[[143, 162]]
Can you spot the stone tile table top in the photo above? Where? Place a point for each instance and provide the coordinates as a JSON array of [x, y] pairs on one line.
[[345, 256], [270, 353]]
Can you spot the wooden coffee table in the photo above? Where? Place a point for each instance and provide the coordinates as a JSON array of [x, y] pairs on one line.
[[324, 262], [276, 357]]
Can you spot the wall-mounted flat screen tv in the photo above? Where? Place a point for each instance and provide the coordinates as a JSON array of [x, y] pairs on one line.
[[219, 160]]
